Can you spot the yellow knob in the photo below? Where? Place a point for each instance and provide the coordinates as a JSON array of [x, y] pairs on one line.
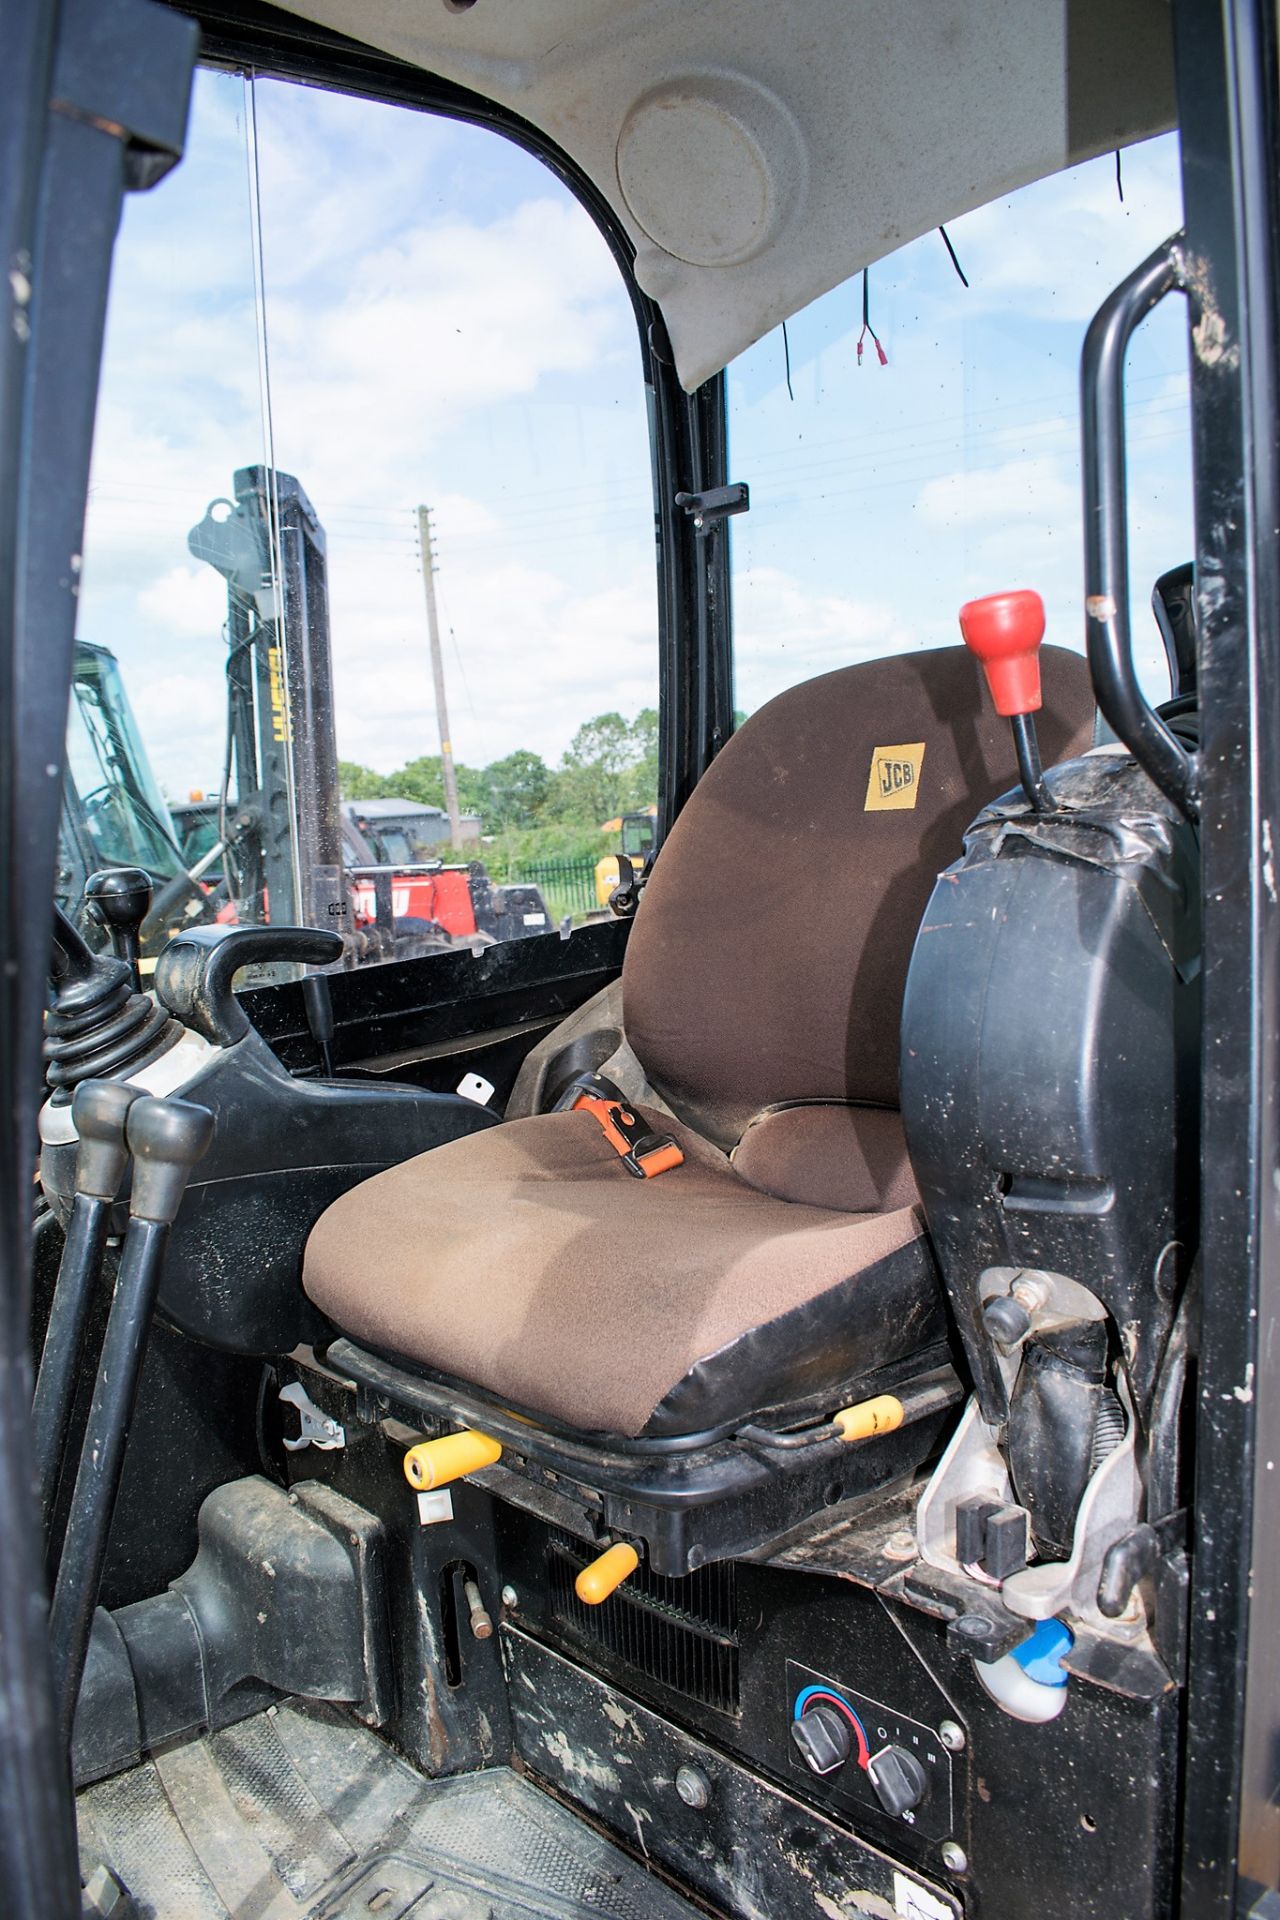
[[434, 1463], [596, 1582], [869, 1417]]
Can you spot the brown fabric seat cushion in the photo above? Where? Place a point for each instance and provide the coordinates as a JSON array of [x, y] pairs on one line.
[[853, 1158], [768, 960], [527, 1262]]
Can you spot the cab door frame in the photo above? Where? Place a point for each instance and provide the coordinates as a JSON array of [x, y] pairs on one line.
[[1228, 77]]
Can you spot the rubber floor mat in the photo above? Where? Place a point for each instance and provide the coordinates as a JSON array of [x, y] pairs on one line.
[[302, 1814]]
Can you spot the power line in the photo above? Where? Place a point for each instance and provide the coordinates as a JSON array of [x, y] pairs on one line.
[[831, 452]]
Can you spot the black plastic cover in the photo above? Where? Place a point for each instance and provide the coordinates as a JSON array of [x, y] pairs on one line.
[[1050, 1041], [282, 1150]]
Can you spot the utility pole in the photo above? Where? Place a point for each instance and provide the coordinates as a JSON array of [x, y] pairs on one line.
[[437, 674]]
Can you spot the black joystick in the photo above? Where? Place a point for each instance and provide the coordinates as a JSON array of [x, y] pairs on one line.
[[167, 1138], [100, 1110], [99, 1025], [119, 899]]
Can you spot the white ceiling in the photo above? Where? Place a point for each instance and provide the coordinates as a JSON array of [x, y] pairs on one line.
[[760, 151]]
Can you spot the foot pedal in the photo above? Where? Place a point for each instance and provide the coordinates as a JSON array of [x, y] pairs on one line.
[[103, 1897]]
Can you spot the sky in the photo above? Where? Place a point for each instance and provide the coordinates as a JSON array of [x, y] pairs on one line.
[[442, 324]]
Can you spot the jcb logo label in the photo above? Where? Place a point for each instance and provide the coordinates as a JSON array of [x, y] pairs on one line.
[[894, 780], [894, 776]]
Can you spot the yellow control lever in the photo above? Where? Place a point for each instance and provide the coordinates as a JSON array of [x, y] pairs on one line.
[[869, 1417], [434, 1463], [596, 1582]]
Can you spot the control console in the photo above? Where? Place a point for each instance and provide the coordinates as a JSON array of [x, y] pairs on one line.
[[867, 1755]]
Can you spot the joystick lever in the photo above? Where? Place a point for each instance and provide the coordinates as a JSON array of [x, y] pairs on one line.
[[1004, 631], [118, 898], [166, 1138]]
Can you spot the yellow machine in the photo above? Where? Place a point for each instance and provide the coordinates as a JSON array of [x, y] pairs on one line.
[[635, 832]]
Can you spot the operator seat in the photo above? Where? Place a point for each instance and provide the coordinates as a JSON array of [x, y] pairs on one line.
[[786, 1258]]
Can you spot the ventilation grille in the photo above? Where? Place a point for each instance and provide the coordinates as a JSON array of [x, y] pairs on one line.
[[682, 1633]]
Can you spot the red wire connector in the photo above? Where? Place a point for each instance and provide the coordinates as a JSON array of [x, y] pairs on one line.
[[867, 327]]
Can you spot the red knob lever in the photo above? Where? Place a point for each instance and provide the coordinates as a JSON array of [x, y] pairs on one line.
[[1004, 631]]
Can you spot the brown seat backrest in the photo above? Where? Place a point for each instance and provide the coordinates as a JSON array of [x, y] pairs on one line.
[[768, 961]]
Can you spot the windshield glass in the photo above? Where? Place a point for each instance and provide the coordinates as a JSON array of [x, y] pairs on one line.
[[371, 514], [939, 459], [121, 807], [637, 836]]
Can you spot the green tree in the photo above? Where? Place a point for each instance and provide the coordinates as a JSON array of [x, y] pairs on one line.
[[423, 781], [592, 781], [516, 789], [360, 783], [642, 778], [420, 780]]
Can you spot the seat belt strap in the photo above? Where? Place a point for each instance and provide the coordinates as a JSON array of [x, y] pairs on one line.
[[642, 1152]]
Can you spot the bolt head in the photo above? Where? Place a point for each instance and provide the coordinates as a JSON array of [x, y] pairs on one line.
[[693, 1787], [900, 1545], [954, 1858], [972, 1626], [509, 1596], [951, 1734]]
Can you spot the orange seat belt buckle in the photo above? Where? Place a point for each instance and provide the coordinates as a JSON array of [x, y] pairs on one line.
[[642, 1152]]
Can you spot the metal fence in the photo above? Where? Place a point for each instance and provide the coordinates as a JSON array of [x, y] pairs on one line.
[[568, 886]]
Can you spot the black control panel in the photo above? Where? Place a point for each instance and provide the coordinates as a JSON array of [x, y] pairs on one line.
[[867, 1755]]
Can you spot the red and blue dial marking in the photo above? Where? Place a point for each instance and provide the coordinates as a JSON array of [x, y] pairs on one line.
[[812, 1695]]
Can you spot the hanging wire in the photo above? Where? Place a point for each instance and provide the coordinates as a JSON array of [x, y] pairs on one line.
[[1119, 178], [253, 156], [786, 356], [457, 651], [946, 241], [867, 327]]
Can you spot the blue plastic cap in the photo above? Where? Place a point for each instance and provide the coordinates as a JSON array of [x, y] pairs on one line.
[[1039, 1656]]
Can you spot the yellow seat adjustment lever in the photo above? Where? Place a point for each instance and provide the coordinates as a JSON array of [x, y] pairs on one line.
[[882, 1415], [596, 1582], [434, 1463]]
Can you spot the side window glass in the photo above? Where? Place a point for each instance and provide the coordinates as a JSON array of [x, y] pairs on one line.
[[371, 476], [940, 460], [180, 406]]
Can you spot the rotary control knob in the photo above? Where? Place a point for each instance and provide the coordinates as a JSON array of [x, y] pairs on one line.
[[899, 1779], [823, 1738]]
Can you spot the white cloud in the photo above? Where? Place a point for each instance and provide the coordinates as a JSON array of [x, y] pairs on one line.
[[1015, 260], [457, 517], [786, 633], [187, 602], [527, 660], [183, 730], [452, 319], [995, 498]]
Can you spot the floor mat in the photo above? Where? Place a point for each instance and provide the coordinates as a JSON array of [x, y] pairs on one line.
[[301, 1814]]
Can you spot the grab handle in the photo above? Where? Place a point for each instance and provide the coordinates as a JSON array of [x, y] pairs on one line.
[[1106, 534]]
